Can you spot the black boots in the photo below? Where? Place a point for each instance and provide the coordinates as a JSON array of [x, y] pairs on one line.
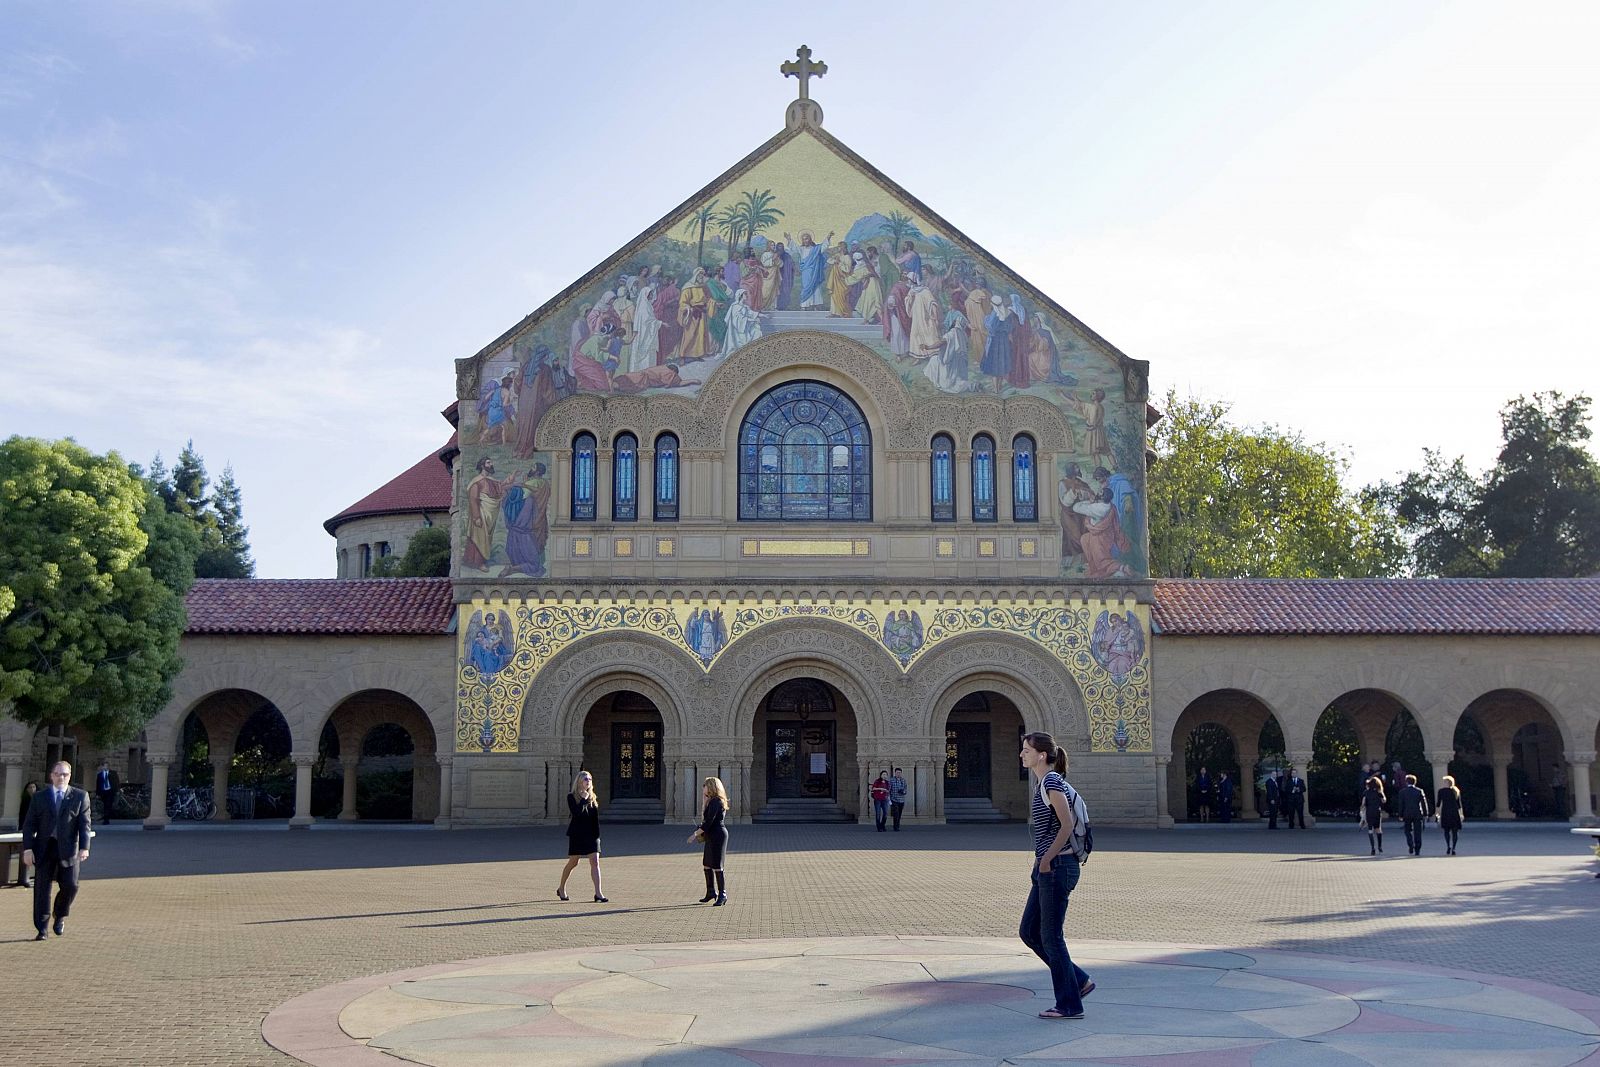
[[722, 890], [711, 890]]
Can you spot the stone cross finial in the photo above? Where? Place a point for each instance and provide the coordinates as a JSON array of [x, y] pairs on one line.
[[804, 110]]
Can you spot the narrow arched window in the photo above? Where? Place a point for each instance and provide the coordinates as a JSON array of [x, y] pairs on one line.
[[666, 478], [983, 505], [583, 477], [942, 475], [1024, 480], [625, 479]]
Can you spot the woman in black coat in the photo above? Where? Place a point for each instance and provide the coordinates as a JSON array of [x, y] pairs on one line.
[[1448, 809], [1372, 802], [713, 830], [583, 833]]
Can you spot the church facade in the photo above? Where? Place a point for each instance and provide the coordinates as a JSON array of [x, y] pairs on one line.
[[803, 484]]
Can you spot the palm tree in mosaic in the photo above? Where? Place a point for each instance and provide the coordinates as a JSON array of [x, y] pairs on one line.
[[730, 224], [943, 252], [756, 213], [898, 226], [704, 216]]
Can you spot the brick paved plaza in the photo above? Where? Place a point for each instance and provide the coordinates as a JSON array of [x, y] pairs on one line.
[[183, 941]]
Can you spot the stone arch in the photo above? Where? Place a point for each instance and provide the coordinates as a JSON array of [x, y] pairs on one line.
[[830, 651], [1242, 715], [554, 707], [1038, 683], [432, 694], [1412, 688], [1278, 696], [205, 677], [570, 718]]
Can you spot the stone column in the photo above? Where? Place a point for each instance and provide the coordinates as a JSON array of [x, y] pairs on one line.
[[1164, 818], [1440, 762], [1249, 809], [1578, 779], [347, 805], [1004, 490], [919, 800], [11, 803], [302, 790], [963, 484], [157, 819], [644, 459], [221, 763], [446, 788], [603, 482], [735, 777], [1502, 788], [1301, 761], [864, 776]]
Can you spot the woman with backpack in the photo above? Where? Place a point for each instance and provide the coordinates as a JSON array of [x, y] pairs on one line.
[[1055, 874]]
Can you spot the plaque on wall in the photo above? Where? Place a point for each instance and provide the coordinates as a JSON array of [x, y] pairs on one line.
[[497, 789]]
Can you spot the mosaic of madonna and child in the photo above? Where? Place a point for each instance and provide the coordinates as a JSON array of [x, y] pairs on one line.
[[764, 258]]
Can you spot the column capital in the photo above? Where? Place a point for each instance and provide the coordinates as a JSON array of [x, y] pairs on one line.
[[444, 759], [1301, 759], [303, 759], [1444, 756], [1581, 757], [12, 759], [160, 759], [1163, 758], [1500, 761]]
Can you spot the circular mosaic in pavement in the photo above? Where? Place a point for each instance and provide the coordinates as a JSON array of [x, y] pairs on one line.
[[903, 1001]]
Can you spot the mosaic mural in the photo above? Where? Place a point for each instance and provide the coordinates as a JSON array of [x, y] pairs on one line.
[[504, 646], [804, 240]]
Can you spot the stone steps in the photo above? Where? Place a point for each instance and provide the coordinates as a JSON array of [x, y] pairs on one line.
[[802, 810], [634, 811], [972, 810]]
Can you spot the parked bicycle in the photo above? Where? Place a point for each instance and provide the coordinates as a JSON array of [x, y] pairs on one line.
[[186, 803]]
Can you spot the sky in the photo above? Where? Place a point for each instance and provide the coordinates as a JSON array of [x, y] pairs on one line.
[[273, 228]]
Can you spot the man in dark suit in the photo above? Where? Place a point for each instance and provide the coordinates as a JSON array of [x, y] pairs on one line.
[[105, 787], [1273, 801], [55, 840], [1294, 800]]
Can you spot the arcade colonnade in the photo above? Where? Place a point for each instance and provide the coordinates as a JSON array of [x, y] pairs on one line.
[[1501, 685]]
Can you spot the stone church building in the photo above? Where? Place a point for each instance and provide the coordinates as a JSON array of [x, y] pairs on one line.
[[801, 484]]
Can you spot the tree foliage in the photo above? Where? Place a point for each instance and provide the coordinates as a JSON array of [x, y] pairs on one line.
[[217, 518], [1229, 501], [1535, 513], [92, 576], [427, 556]]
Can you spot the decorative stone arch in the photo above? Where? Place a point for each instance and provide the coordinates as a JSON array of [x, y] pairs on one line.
[[554, 707], [781, 357], [354, 726], [1002, 419], [1244, 731], [432, 695], [840, 655], [570, 718], [193, 685], [1562, 699], [1279, 696], [1038, 683], [1411, 687]]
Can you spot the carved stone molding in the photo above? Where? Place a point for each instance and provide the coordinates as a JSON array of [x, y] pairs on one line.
[[596, 666], [851, 662], [1038, 683]]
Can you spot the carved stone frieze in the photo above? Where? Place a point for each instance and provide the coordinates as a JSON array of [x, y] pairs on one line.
[[1037, 682]]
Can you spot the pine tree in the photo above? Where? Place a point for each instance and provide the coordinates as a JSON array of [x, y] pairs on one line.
[[228, 555], [190, 480]]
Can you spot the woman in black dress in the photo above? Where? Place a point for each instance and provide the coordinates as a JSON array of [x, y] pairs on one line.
[[713, 830], [1448, 809], [1372, 802], [583, 833]]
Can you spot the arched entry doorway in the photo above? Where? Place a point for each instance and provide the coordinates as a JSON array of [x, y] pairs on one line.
[[1526, 755], [981, 777], [232, 761], [805, 735], [377, 758], [622, 749], [1223, 730]]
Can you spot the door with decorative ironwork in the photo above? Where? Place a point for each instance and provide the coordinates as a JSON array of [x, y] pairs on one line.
[[800, 760], [966, 760], [635, 761]]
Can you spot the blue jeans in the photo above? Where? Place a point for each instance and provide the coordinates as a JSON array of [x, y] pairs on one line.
[[1041, 930], [880, 812]]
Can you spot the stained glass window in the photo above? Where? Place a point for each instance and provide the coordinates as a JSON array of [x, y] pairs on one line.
[[583, 478], [943, 475], [666, 478], [805, 455], [983, 505], [625, 479], [1024, 481]]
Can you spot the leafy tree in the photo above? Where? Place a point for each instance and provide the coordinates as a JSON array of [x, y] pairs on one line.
[[898, 226], [730, 223], [427, 556], [1535, 513], [704, 216], [94, 573], [1228, 501]]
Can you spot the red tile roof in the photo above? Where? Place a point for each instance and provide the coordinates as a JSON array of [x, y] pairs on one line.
[[321, 606], [1284, 606], [424, 486]]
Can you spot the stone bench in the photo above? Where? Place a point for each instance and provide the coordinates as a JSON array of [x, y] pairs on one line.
[[11, 845]]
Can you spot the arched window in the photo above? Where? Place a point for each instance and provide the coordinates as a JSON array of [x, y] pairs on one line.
[[942, 474], [805, 455], [983, 506], [666, 478], [1024, 481], [583, 478], [625, 479]]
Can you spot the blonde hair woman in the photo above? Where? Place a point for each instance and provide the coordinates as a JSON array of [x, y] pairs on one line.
[[1448, 809], [583, 833], [713, 830]]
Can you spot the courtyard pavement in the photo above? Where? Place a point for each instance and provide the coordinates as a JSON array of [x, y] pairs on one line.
[[840, 945]]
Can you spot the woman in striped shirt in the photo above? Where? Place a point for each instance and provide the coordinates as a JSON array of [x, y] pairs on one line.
[[1055, 874]]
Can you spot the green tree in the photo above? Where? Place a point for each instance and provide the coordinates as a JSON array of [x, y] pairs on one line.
[[1535, 513], [898, 226], [226, 538], [190, 482], [730, 224], [94, 572], [427, 555], [1229, 501], [703, 216]]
